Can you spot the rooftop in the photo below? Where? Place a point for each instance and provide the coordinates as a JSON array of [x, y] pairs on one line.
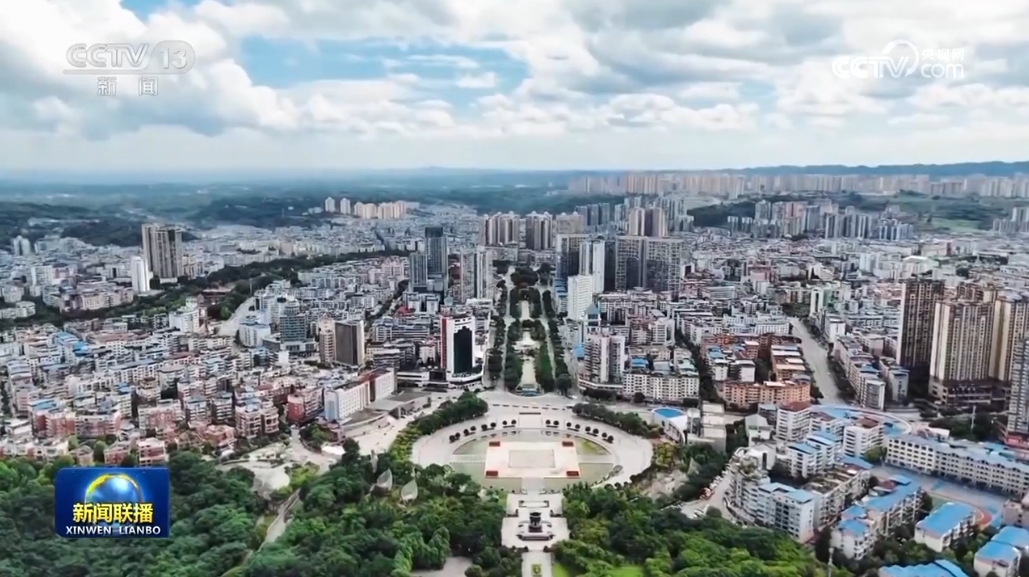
[[946, 518]]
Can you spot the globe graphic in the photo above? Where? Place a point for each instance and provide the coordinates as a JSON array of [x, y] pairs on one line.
[[116, 488]]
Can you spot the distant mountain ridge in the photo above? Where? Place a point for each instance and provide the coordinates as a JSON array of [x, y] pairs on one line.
[[437, 173], [992, 168]]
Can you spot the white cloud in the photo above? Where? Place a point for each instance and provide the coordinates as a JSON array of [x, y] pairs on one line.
[[715, 83], [478, 82]]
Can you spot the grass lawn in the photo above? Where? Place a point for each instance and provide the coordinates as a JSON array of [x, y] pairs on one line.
[[627, 571], [955, 224], [590, 448]]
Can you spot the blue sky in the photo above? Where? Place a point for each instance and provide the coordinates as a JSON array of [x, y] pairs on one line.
[[547, 84]]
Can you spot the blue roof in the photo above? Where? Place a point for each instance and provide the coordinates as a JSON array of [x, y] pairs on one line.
[[941, 568], [827, 436], [803, 448], [579, 351], [863, 464], [802, 496], [1014, 536], [638, 362], [593, 310], [888, 501], [668, 412], [994, 551], [854, 526], [946, 518]]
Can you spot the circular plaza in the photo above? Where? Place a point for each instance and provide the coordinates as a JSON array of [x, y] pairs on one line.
[[511, 449]]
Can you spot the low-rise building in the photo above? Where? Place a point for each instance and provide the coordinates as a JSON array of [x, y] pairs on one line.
[[949, 523], [890, 505]]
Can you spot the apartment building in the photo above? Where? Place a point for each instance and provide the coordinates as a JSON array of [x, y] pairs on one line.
[[785, 508], [776, 392], [862, 436], [792, 421], [890, 505], [987, 465], [1002, 555], [662, 383], [816, 454], [946, 525]]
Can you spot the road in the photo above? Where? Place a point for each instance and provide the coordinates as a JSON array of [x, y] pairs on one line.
[[229, 327], [814, 355]]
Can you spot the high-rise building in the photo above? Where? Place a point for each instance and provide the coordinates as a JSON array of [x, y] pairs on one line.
[[292, 323], [139, 274], [350, 343], [662, 263], [655, 224], [568, 254], [592, 255], [418, 269], [436, 251], [538, 232], [917, 314], [162, 250], [1011, 326], [605, 358], [628, 262], [330, 204], [1018, 408], [21, 246], [580, 296], [327, 341], [457, 344], [476, 274], [499, 229], [569, 223], [344, 206], [637, 218], [962, 335]]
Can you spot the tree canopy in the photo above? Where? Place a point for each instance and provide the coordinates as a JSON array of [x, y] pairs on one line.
[[612, 527], [344, 527], [214, 526]]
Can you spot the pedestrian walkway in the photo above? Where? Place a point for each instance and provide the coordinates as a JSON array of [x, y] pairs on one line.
[[537, 564]]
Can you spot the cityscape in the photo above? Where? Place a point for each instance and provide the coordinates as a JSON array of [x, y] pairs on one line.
[[455, 288], [835, 367]]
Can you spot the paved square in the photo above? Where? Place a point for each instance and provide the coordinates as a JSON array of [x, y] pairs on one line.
[[540, 460], [535, 459]]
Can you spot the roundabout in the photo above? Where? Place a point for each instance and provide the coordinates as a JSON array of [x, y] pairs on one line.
[[513, 449]]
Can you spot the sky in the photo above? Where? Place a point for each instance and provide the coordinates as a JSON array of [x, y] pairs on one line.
[[520, 84]]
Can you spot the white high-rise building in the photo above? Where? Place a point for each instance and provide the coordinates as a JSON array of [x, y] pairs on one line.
[[344, 206], [139, 274], [606, 358], [330, 204], [591, 262], [580, 296]]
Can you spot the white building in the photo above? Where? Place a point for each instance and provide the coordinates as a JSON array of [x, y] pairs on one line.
[[892, 504], [862, 436], [990, 466], [785, 508], [139, 274], [1003, 554], [661, 385], [946, 525], [816, 454], [792, 421], [330, 204], [186, 318], [345, 399], [580, 296]]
